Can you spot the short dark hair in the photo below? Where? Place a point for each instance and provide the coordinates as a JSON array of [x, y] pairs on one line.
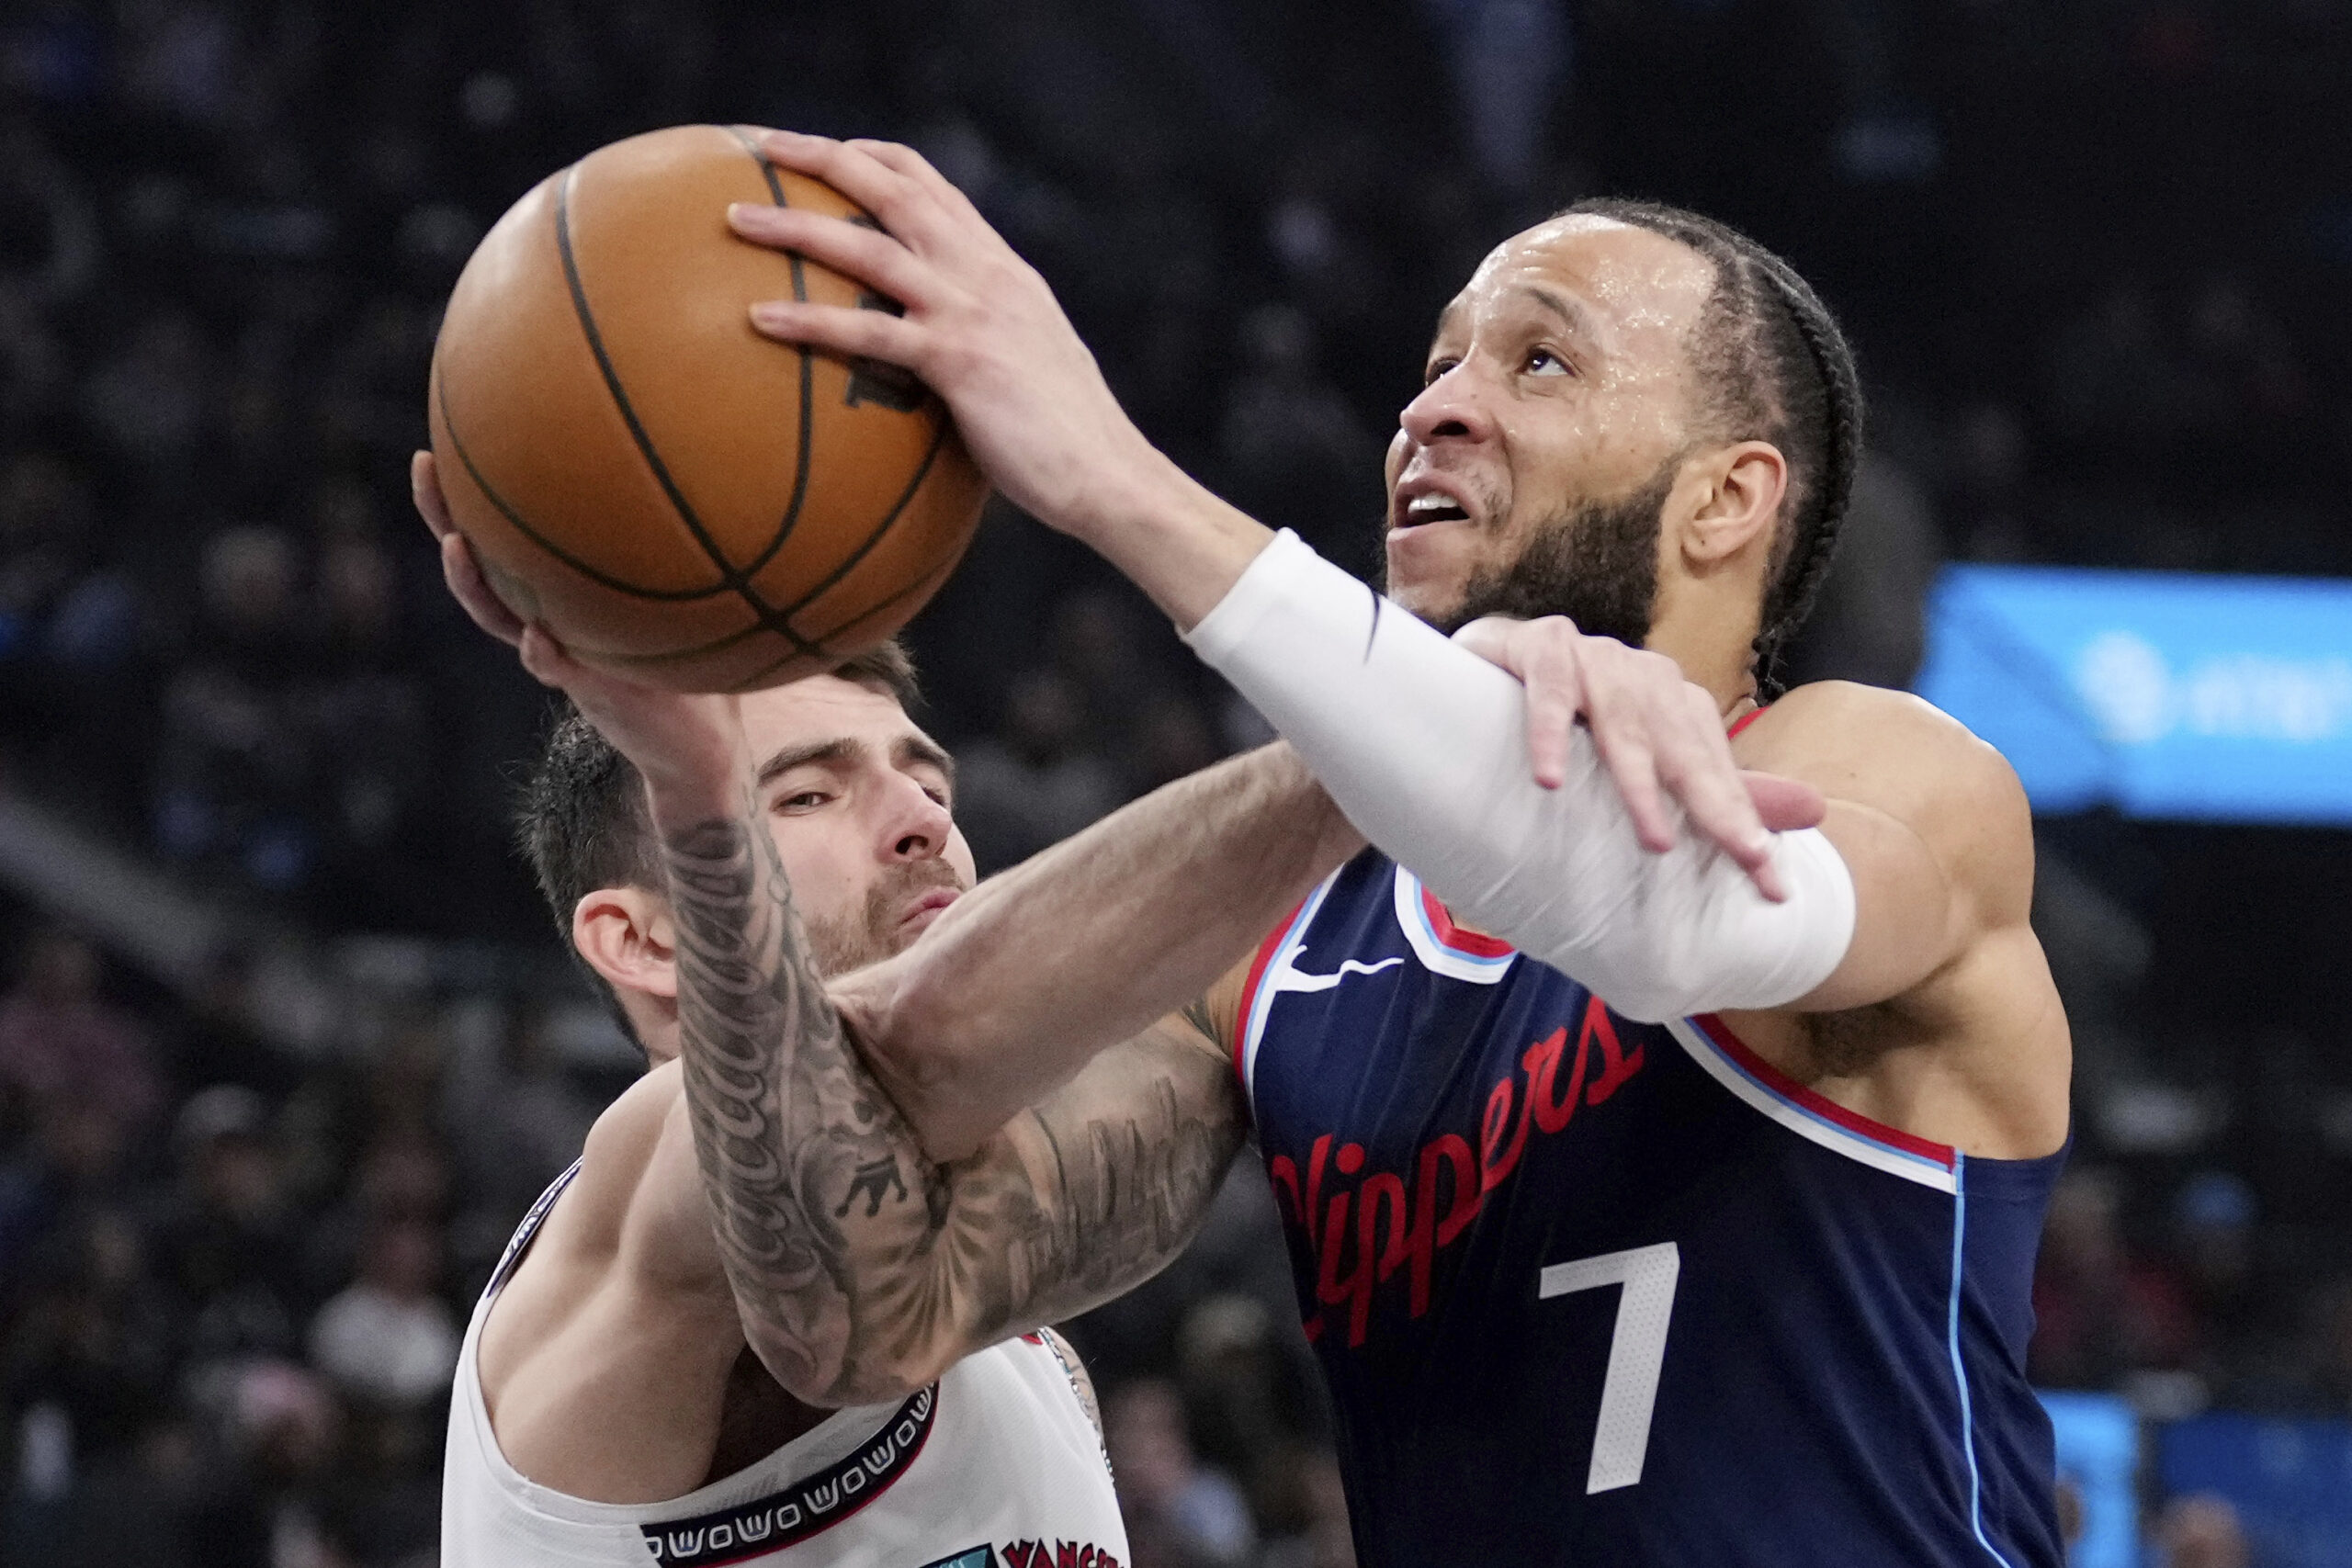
[[1771, 365], [581, 820]]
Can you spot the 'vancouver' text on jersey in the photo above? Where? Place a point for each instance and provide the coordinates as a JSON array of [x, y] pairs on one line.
[[1589, 1291]]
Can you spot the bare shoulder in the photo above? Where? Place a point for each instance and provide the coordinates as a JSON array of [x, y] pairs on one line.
[[1894, 753], [631, 1217], [1857, 741], [626, 1190], [620, 1147]]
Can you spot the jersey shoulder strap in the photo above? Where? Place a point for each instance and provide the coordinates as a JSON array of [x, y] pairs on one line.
[[528, 1230]]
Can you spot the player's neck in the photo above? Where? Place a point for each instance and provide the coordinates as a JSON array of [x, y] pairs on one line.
[[1707, 625], [1711, 659]]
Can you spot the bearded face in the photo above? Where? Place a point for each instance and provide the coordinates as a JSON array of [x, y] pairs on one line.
[[880, 928], [1595, 562]]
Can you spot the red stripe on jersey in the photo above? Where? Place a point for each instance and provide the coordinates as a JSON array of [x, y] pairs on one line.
[[1475, 944], [1257, 966], [1743, 721], [1788, 1088]]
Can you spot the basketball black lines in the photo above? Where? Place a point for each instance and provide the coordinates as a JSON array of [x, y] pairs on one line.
[[602, 580], [731, 577], [808, 371], [846, 560], [916, 589]]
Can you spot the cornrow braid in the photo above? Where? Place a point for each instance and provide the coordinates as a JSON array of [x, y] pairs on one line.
[[1772, 366]]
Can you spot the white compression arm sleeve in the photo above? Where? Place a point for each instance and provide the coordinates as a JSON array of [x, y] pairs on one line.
[[1423, 745]]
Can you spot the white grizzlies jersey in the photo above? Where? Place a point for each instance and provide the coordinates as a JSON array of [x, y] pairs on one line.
[[996, 1465]]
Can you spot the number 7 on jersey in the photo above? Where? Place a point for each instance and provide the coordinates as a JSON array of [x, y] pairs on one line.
[[1636, 1351]]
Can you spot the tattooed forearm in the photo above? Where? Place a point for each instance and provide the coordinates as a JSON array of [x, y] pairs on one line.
[[774, 1095], [859, 1266]]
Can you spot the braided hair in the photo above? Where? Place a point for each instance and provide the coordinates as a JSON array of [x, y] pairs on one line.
[[1771, 364]]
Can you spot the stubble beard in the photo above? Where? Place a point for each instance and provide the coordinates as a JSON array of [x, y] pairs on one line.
[[1593, 561], [838, 944]]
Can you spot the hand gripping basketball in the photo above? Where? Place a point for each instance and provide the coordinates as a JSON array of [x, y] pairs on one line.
[[668, 736], [980, 327]]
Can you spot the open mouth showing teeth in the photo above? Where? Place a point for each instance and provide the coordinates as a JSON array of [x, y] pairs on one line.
[[1432, 509]]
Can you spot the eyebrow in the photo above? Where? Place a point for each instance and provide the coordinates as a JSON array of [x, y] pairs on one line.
[[1570, 309], [828, 753], [923, 749], [842, 752], [1566, 307]]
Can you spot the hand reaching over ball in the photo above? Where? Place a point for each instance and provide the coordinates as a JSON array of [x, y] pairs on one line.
[[978, 325], [632, 465], [983, 331]]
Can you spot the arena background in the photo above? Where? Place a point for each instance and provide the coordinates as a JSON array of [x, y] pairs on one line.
[[287, 1045]]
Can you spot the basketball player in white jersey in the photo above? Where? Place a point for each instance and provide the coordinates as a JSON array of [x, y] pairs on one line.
[[713, 1340]]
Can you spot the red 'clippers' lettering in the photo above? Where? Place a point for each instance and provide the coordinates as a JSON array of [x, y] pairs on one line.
[[1396, 1228], [1616, 1066]]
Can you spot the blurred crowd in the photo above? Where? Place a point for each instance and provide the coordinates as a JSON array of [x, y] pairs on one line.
[[230, 1280], [2099, 310]]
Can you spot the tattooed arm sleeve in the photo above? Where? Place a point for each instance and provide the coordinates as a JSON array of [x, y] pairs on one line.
[[860, 1266]]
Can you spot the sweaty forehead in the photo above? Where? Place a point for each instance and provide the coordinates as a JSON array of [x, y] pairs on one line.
[[1632, 286]]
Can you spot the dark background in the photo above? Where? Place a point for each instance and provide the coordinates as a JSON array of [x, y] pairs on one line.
[[309, 1063]]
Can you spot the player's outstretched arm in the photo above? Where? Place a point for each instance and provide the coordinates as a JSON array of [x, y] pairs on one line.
[[983, 331], [862, 1267], [1024, 979], [1028, 975]]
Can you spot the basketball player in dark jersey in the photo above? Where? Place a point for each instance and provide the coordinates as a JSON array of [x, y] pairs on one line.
[[1639, 1214], [1661, 1189]]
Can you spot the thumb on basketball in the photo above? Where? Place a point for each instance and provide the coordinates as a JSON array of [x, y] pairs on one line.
[[459, 568], [546, 659]]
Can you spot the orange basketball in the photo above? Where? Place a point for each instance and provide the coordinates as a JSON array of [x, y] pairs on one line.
[[671, 494]]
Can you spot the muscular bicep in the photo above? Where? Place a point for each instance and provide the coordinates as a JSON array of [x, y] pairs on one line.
[[1905, 918], [1931, 823]]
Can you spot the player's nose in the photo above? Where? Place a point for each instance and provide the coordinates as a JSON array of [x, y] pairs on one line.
[[914, 827], [1449, 408]]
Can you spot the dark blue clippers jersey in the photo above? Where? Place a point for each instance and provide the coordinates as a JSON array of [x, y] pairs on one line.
[[1592, 1292]]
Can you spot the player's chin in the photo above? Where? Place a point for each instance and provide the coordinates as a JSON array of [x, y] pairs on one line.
[[1428, 565], [904, 931]]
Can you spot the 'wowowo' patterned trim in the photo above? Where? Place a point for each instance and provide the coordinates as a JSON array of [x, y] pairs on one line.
[[805, 1509]]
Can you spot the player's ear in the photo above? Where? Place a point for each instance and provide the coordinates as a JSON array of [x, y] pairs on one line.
[[626, 935], [1727, 499]]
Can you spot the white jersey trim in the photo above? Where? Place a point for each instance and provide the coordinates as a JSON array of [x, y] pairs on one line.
[[1438, 956], [1279, 976]]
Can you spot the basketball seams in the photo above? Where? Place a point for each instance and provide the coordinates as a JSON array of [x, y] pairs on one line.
[[881, 530], [601, 578], [773, 586], [918, 589], [920, 585], [731, 577], [914, 590], [808, 374], [671, 655]]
